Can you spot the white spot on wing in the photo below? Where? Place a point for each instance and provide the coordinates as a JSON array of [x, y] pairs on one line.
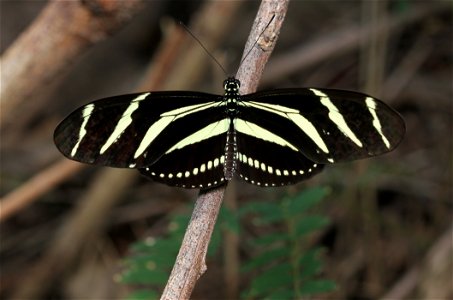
[[216, 162], [250, 161], [257, 164]]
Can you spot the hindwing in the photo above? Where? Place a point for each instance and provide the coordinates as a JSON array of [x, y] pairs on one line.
[[265, 163], [197, 166]]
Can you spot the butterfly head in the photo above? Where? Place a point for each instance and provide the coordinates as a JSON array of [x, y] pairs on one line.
[[231, 85]]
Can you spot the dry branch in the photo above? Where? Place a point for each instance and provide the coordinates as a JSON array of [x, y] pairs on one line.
[[190, 262], [61, 33], [38, 185]]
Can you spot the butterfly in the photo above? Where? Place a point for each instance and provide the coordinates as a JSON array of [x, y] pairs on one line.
[[199, 140]]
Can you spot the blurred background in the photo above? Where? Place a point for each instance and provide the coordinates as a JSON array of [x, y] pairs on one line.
[[390, 229]]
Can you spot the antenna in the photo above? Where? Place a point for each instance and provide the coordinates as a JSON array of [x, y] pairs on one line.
[[202, 46], [212, 56], [256, 42]]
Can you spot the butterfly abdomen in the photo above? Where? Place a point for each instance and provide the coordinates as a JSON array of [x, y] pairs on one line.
[[231, 152]]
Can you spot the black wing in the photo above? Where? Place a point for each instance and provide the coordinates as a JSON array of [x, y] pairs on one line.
[[265, 163], [326, 126], [136, 130], [197, 166]]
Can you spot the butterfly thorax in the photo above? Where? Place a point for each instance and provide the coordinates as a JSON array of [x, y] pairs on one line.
[[231, 97]]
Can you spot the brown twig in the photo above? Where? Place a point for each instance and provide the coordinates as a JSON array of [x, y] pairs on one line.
[[231, 245], [61, 33], [190, 262], [38, 185]]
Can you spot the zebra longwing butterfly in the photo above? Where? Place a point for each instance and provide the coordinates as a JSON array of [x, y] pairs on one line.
[[200, 140]]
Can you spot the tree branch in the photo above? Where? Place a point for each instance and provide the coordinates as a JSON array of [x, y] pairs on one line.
[[56, 41], [36, 186], [190, 262]]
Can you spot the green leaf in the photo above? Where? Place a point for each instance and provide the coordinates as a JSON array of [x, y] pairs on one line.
[[265, 258], [178, 225], [308, 224], [260, 208], [156, 262], [317, 286], [291, 216], [270, 239], [309, 263], [304, 200], [278, 276], [281, 294], [150, 261], [160, 257], [143, 246]]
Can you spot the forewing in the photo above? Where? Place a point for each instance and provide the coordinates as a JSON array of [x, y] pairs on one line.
[[326, 125], [134, 131]]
